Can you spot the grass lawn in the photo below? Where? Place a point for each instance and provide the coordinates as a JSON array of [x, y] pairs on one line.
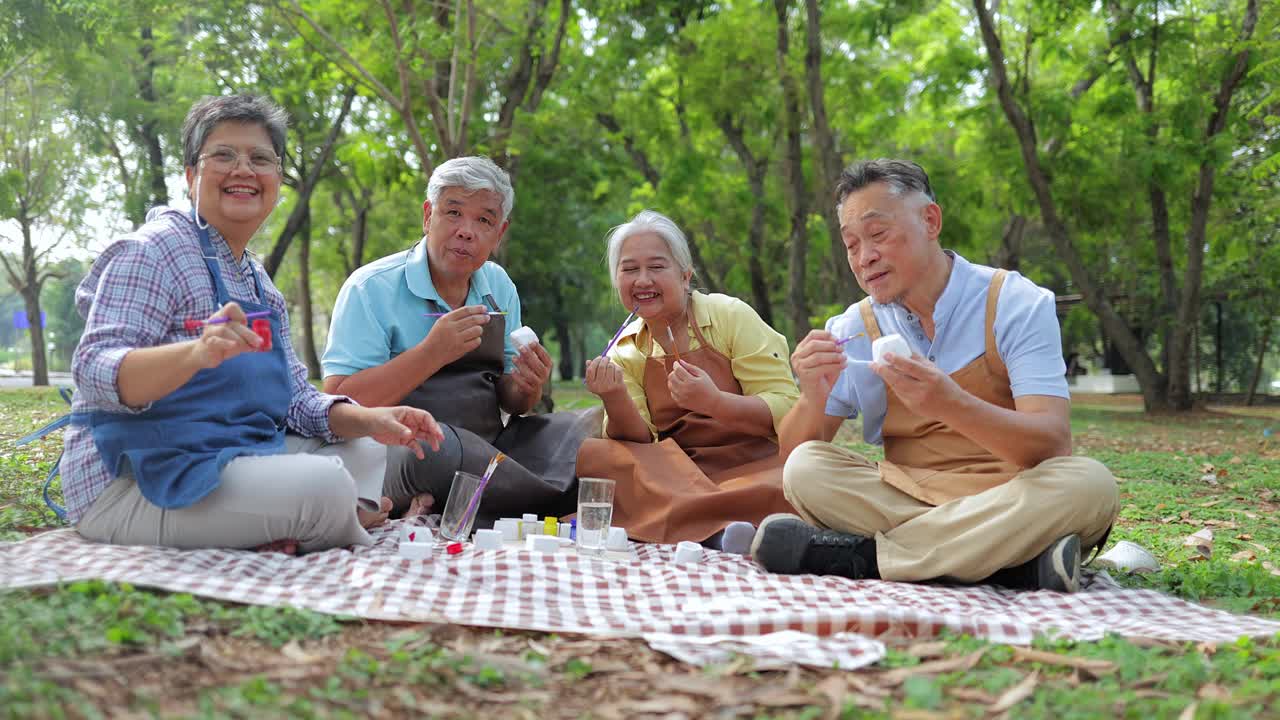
[[98, 649]]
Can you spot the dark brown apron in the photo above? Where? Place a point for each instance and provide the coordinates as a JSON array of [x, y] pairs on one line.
[[540, 474], [699, 476]]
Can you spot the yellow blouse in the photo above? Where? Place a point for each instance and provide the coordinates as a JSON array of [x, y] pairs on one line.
[[757, 353]]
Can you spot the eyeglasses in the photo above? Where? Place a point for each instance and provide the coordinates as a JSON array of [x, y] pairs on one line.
[[225, 159]]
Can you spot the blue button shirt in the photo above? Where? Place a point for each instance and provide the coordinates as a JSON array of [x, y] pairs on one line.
[[380, 310], [1027, 338]]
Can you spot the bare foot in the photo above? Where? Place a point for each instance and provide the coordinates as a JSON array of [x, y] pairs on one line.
[[420, 505], [370, 519], [286, 546]]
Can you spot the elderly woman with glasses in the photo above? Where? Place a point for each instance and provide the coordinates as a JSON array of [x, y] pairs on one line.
[[189, 428]]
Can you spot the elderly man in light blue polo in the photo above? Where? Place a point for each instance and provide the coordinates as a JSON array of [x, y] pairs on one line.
[[978, 481], [429, 327]]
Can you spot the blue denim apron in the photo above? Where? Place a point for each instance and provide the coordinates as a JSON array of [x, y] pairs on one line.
[[178, 447]]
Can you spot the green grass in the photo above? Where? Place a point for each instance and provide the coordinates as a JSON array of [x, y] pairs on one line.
[[94, 649]]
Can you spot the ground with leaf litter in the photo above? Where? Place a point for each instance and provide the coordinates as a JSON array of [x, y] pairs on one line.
[[1200, 491]]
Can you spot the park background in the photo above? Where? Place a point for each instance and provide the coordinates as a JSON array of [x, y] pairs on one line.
[[1123, 153]]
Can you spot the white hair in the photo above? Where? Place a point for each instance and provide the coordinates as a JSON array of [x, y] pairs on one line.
[[654, 222], [471, 174]]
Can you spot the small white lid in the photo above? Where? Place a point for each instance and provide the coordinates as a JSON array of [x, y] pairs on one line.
[[523, 335], [893, 343], [617, 539], [416, 550], [488, 539], [542, 543], [688, 552]]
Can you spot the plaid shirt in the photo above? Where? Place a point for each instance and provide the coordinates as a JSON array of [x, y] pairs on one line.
[[137, 294]]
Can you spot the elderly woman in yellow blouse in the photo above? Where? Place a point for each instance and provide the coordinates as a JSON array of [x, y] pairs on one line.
[[693, 390]]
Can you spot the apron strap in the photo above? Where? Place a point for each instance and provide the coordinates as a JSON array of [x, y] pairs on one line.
[[56, 425], [994, 362], [869, 319]]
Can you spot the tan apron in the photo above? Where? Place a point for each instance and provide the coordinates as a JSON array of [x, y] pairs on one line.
[[929, 460], [699, 476]]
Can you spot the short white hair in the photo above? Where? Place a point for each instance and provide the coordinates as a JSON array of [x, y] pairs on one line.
[[471, 174], [654, 222]]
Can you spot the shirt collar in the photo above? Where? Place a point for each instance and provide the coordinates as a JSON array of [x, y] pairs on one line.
[[418, 277]]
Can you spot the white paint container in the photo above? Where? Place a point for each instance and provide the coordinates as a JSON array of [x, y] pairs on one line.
[[894, 343]]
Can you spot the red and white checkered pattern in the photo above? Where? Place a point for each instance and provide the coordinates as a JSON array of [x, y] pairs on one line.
[[697, 613]]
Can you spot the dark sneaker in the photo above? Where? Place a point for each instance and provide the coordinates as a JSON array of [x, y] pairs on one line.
[[786, 544], [1057, 569]]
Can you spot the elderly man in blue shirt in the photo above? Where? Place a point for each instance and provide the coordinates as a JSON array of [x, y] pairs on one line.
[[429, 327], [978, 481]]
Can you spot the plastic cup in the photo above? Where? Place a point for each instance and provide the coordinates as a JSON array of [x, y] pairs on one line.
[[595, 513], [456, 523], [1129, 557]]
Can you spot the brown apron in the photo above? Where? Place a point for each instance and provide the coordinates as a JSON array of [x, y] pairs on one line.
[[540, 475], [929, 460], [699, 476]]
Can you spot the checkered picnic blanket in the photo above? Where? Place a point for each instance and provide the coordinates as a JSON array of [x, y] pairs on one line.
[[699, 613]]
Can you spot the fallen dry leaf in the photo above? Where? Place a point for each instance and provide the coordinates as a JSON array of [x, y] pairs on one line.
[[1189, 712], [1016, 694], [1211, 503], [971, 695], [1202, 541], [1210, 478], [1047, 658], [1244, 556], [1235, 460], [834, 688], [928, 649], [1213, 691], [963, 663], [1271, 568]]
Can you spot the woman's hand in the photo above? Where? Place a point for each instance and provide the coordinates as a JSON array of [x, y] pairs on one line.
[[398, 425], [604, 377], [693, 389], [222, 341]]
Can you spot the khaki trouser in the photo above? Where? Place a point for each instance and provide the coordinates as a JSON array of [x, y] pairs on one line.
[[966, 539], [308, 495]]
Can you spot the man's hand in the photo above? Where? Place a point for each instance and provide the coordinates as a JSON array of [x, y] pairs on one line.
[[456, 333], [224, 340], [604, 377], [919, 384], [532, 370], [817, 362], [692, 388], [398, 425]]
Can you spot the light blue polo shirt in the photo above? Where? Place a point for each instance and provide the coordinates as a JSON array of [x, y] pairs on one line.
[[1027, 338], [380, 310]]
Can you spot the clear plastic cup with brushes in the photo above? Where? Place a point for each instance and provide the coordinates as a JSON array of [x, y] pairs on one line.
[[463, 503]]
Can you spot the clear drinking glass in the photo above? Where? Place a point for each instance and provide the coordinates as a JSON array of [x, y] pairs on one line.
[[595, 513], [461, 507]]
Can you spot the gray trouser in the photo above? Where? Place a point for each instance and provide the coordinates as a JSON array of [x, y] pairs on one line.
[[308, 495]]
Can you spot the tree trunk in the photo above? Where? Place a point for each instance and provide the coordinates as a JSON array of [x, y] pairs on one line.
[[301, 209], [844, 285], [1009, 255], [309, 355], [756, 169], [1201, 200], [148, 135], [35, 329], [793, 170], [1153, 384], [360, 235], [1263, 346]]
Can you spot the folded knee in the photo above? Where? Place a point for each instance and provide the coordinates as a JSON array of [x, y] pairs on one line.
[[798, 472]]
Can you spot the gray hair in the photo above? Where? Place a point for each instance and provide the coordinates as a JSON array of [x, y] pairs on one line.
[[654, 222], [902, 176], [471, 174], [210, 111]]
